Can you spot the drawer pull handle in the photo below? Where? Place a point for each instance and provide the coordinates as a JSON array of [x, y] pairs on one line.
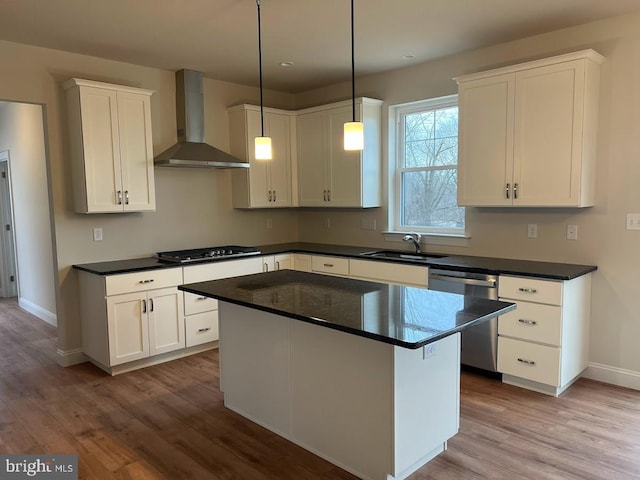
[[527, 322], [528, 290], [146, 281], [201, 298], [328, 265], [527, 362], [203, 330]]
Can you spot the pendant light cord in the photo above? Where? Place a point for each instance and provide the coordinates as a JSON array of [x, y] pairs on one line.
[[353, 68], [260, 67]]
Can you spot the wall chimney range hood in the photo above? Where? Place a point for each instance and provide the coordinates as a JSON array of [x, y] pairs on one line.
[[191, 151]]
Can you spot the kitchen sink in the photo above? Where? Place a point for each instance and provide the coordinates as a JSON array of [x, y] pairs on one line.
[[396, 255]]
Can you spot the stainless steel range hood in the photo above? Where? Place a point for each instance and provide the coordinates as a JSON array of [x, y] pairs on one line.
[[191, 151]]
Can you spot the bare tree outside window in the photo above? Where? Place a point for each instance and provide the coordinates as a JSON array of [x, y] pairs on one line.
[[428, 168]]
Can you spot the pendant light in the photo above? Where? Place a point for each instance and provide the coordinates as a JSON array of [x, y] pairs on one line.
[[353, 131], [263, 144]]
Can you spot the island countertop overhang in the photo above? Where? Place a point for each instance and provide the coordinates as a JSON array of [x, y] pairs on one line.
[[404, 316]]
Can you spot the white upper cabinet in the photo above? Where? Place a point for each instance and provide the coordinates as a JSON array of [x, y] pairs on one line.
[[527, 133], [267, 183], [329, 176], [111, 147]]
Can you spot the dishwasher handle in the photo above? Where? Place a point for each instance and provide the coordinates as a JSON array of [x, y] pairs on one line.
[[465, 281]]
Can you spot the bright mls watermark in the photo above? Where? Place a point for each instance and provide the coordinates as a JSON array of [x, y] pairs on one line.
[[49, 467]]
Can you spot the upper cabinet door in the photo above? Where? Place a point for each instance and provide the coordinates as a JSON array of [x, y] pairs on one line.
[[136, 149], [485, 146], [345, 167], [528, 133], [111, 147], [548, 134], [280, 165], [313, 150], [99, 133], [266, 183]]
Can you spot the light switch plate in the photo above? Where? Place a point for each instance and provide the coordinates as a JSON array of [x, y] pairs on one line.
[[532, 230], [633, 221], [97, 234]]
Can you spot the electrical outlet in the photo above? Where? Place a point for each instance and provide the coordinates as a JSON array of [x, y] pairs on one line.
[[532, 230], [97, 234], [572, 232]]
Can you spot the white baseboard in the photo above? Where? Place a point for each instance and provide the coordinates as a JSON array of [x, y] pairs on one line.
[[613, 375], [38, 311], [67, 358]]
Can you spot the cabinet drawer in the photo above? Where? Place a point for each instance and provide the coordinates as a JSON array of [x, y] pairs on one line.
[[222, 269], [534, 362], [201, 328], [530, 290], [533, 322], [198, 304], [333, 265], [141, 281]]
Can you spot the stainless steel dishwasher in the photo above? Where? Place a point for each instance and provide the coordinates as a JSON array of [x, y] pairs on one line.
[[479, 347]]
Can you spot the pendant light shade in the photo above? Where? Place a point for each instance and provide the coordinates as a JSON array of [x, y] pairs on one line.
[[353, 131], [263, 144], [263, 148]]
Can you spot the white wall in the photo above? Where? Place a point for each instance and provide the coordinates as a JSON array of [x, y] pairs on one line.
[[603, 240], [22, 134]]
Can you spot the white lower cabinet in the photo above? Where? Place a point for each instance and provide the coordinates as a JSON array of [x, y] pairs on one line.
[[282, 261], [130, 317], [411, 275], [201, 313], [543, 345]]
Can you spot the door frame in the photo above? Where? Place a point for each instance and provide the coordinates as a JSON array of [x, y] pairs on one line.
[[8, 254]]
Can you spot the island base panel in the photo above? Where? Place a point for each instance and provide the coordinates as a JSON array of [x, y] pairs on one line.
[[376, 410]]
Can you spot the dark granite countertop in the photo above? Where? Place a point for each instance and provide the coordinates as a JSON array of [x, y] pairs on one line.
[[404, 316], [499, 266]]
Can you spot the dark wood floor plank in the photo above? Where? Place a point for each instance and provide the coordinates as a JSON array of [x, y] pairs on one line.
[[168, 422]]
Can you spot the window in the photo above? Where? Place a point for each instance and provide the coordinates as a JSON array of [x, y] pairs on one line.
[[426, 168]]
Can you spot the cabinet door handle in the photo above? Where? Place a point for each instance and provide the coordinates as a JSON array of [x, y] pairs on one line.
[[126, 197], [203, 330], [146, 281], [144, 306], [528, 290], [527, 362], [329, 195], [151, 304], [270, 198], [528, 322], [277, 265], [274, 195], [119, 197], [515, 191], [265, 267], [324, 195], [507, 190]]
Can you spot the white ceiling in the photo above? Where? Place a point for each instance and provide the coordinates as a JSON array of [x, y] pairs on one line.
[[219, 37]]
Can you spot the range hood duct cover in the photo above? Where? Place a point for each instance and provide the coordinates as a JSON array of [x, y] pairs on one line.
[[191, 151]]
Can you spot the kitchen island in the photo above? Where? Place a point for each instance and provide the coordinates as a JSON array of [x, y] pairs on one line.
[[363, 374]]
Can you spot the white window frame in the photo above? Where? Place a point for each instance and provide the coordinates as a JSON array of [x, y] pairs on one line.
[[396, 150]]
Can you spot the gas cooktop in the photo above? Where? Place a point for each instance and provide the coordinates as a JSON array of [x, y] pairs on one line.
[[206, 254]]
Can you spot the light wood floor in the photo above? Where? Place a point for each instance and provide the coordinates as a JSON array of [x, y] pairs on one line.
[[168, 422]]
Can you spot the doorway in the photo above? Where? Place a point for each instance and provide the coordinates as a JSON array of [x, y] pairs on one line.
[[8, 281]]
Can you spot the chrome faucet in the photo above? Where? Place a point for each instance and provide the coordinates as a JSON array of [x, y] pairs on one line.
[[414, 238]]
